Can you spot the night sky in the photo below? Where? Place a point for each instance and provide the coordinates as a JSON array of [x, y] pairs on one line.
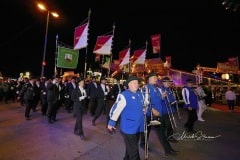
[[192, 32]]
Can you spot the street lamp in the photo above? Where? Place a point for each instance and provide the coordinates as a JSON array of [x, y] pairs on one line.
[[54, 14]]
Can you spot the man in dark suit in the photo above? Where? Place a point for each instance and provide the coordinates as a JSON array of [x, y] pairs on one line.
[[102, 92], [117, 88], [27, 93], [69, 89], [92, 95], [78, 96], [53, 98]]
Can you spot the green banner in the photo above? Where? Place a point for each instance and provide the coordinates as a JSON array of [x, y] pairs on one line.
[[67, 58]]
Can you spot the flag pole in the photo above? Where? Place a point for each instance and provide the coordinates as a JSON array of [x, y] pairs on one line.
[[85, 66], [56, 55], [145, 59], [109, 69], [129, 45]]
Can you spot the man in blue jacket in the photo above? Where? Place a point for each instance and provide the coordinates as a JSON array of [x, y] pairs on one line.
[[157, 111], [191, 104], [129, 105]]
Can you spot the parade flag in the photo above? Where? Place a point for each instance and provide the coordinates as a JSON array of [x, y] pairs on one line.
[[107, 62], [139, 56], [103, 45], [233, 61], [124, 56], [168, 62], [81, 36], [67, 58], [156, 43]]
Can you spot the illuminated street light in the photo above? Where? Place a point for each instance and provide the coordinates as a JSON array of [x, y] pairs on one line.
[[54, 14]]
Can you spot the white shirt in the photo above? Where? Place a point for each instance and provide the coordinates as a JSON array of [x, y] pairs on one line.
[[103, 88]]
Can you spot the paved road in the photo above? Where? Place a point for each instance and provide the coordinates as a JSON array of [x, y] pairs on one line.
[[218, 138]]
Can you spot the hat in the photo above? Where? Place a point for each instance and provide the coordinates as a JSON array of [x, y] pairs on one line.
[[151, 74], [166, 79], [131, 78], [189, 81]]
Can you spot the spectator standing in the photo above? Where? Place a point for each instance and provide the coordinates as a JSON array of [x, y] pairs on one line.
[[231, 99]]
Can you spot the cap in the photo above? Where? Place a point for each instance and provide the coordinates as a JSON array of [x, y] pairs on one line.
[[151, 75], [131, 78], [166, 79], [189, 81]]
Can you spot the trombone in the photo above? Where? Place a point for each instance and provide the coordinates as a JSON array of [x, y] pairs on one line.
[[175, 93], [146, 103], [169, 109]]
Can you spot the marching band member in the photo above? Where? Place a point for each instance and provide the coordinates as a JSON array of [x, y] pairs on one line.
[[191, 104], [168, 108], [156, 109], [129, 105]]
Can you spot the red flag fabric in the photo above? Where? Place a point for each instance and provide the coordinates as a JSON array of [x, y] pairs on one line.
[[124, 56], [156, 43], [103, 45], [139, 56], [80, 36], [233, 61]]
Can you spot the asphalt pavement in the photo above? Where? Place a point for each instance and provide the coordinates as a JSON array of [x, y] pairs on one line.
[[35, 139]]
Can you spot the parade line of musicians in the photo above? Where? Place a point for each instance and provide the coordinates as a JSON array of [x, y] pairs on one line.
[[136, 109]]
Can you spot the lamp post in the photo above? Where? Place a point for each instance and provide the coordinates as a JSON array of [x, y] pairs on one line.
[[54, 14]]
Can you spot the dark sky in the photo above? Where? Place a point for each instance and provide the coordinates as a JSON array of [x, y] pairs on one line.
[[192, 31]]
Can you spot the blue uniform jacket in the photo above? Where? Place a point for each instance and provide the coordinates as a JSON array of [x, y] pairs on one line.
[[129, 106]]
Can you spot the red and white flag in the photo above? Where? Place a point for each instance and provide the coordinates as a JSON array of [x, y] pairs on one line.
[[139, 56], [103, 45], [156, 43], [124, 56], [81, 36], [233, 61]]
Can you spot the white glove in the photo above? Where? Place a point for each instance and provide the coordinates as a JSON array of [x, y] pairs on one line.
[[81, 98]]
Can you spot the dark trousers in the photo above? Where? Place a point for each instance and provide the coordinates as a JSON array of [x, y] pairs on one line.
[[93, 103], [160, 132], [131, 145], [52, 111], [230, 104], [44, 105], [192, 118], [168, 124], [78, 125], [99, 109], [68, 104], [29, 106]]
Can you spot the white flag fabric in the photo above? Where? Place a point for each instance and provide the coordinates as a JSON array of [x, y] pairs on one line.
[[139, 56], [103, 45], [81, 36], [124, 56]]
